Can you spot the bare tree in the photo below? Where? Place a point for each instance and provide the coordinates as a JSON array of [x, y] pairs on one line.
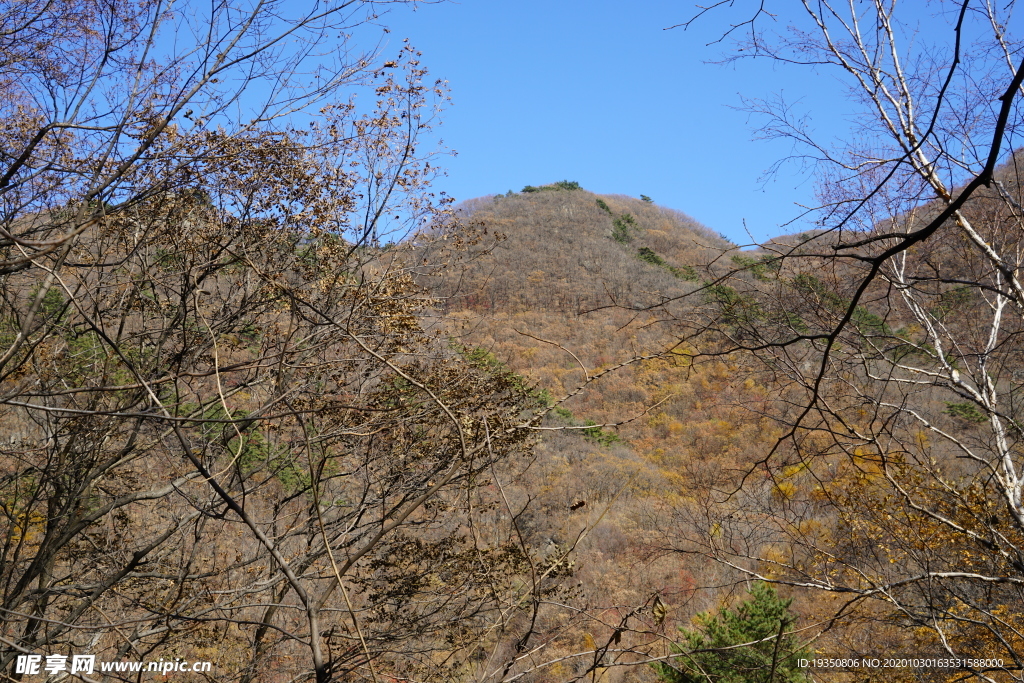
[[227, 435], [892, 331]]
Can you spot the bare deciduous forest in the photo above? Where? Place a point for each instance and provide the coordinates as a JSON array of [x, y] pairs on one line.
[[269, 401]]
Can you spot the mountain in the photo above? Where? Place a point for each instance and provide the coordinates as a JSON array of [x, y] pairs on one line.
[[581, 294], [569, 251]]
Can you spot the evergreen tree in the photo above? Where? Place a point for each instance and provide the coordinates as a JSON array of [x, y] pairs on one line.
[[763, 621]]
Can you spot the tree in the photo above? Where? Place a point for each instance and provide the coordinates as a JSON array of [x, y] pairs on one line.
[[228, 436], [894, 330], [753, 642]]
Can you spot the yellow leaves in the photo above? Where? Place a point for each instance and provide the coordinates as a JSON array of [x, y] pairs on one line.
[[793, 470], [783, 491], [819, 494], [776, 559], [811, 528], [467, 426], [28, 528], [659, 609], [658, 419]]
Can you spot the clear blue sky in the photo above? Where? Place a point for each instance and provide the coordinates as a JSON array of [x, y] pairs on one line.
[[598, 92]]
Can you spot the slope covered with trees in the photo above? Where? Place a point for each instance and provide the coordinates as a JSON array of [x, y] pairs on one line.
[[227, 436], [893, 330], [268, 403], [871, 475], [575, 298]]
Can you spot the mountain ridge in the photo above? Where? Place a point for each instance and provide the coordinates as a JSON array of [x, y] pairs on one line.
[[572, 250]]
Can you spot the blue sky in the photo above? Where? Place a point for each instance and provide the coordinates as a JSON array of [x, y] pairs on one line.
[[600, 93]]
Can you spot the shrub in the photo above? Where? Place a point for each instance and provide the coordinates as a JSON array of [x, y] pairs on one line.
[[761, 268], [560, 185], [598, 435], [965, 411], [621, 228], [648, 255], [721, 655]]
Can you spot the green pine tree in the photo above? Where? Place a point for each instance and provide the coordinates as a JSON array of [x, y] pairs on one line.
[[764, 621]]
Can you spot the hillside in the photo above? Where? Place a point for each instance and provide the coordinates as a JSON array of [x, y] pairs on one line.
[[198, 404], [592, 274], [573, 268], [705, 359], [564, 421], [570, 287], [569, 251]]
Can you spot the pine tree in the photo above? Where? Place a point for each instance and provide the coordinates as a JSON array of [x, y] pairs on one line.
[[753, 643]]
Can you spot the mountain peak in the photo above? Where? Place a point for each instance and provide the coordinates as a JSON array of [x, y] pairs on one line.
[[566, 249]]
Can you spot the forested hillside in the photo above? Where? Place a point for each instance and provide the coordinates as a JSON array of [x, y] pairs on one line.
[[272, 410], [728, 434], [579, 294], [529, 444]]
